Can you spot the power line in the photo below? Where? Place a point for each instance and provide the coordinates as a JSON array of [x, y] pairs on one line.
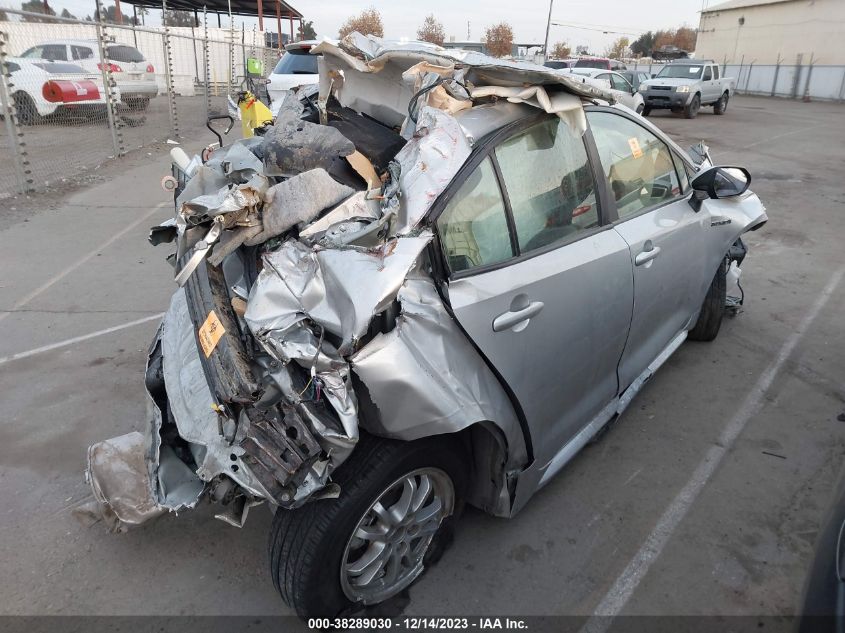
[[598, 28]]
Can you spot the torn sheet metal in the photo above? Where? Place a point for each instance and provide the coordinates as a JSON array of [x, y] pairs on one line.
[[567, 106], [117, 473], [192, 403], [377, 88], [428, 163], [357, 210], [424, 377], [338, 289]]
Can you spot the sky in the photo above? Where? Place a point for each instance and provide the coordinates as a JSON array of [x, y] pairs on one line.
[[527, 17]]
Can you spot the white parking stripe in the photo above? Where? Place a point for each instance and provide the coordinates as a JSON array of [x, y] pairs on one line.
[[79, 262], [622, 590], [78, 339]]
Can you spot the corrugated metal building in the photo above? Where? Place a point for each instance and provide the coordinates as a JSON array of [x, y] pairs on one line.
[[768, 31]]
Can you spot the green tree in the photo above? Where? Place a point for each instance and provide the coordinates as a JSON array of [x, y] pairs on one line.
[[643, 45], [36, 6], [306, 30], [179, 18]]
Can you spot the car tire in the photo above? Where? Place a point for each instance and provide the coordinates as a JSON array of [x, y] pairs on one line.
[[310, 546], [713, 309], [692, 108], [646, 111], [27, 112], [722, 104]]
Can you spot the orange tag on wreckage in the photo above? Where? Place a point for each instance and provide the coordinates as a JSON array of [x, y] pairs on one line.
[[210, 333]]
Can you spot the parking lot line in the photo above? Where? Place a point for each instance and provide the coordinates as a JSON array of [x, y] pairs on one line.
[[622, 590], [53, 280], [78, 339]]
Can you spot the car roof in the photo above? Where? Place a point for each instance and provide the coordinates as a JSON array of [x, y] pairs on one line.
[[80, 41]]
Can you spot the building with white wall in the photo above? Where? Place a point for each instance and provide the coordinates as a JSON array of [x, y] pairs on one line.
[[773, 31]]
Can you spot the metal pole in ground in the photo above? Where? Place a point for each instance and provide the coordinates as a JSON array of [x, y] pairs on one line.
[[19, 159], [796, 81], [809, 75], [842, 87], [748, 76], [548, 24], [205, 63], [168, 73], [108, 85], [775, 80]]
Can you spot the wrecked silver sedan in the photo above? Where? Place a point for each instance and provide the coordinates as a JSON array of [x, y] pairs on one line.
[[428, 283]]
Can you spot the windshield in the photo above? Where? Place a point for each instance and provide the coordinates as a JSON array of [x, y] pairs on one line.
[[681, 71], [296, 63], [592, 63], [125, 54]]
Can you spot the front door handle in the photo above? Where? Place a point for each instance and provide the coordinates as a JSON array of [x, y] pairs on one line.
[[512, 318], [647, 255]]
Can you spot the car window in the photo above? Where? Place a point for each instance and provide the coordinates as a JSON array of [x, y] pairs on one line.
[[296, 63], [473, 227], [638, 165], [12, 66], [708, 73], [715, 72], [644, 77], [81, 52], [549, 184], [33, 53], [54, 52], [591, 63], [125, 54], [619, 83]]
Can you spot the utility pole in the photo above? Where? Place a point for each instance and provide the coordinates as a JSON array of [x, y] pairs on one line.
[[548, 24]]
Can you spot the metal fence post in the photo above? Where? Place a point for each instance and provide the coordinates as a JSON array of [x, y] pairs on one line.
[[797, 79], [168, 72], [10, 116], [842, 87], [809, 75], [748, 76], [775, 80], [108, 85], [205, 62]]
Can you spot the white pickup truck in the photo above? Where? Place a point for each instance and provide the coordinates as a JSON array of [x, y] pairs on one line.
[[686, 85]]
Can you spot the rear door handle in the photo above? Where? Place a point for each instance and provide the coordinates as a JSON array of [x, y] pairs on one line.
[[511, 318], [647, 255]]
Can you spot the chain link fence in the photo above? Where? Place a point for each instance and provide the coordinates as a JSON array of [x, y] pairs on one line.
[[75, 93]]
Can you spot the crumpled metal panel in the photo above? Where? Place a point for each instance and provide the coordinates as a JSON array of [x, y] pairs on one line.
[[340, 289], [117, 473], [424, 377], [191, 400], [428, 163]]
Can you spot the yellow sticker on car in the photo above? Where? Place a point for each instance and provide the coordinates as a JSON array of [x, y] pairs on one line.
[[635, 147], [210, 333]]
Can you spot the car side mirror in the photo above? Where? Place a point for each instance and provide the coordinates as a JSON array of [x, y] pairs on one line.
[[719, 182]]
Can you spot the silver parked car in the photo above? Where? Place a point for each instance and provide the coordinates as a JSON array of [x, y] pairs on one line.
[[429, 285]]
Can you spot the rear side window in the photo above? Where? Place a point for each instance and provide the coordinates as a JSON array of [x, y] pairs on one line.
[[549, 184], [125, 54], [12, 66], [81, 52], [708, 73], [473, 227], [56, 52], [297, 63], [638, 165], [591, 63], [715, 72]]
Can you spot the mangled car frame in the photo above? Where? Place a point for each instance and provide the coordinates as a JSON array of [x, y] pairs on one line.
[[428, 282]]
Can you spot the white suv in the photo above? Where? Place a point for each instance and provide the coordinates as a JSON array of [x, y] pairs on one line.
[[134, 75]]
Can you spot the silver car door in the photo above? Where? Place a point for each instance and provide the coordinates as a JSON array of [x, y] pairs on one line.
[[667, 238], [542, 288]]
